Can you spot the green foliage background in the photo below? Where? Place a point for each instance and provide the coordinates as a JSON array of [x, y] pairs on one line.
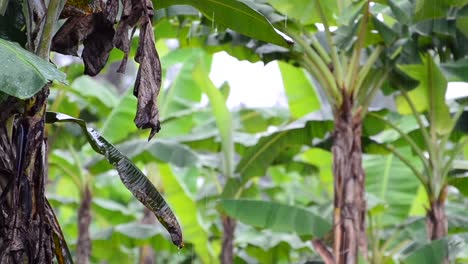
[[269, 168]]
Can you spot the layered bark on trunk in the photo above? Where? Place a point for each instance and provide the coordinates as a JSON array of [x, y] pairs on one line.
[[349, 186], [227, 251], [83, 246], [27, 222], [436, 220]]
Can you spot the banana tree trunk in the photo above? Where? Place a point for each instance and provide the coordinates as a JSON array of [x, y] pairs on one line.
[[227, 251], [83, 246], [349, 185], [436, 219], [27, 222]]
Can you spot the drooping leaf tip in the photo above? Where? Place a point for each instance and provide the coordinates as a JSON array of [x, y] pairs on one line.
[[176, 237], [154, 130]]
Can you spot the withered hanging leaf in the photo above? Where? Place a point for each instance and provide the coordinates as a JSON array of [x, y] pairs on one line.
[[148, 81], [98, 45], [71, 34], [131, 14], [74, 8], [111, 9], [96, 31]]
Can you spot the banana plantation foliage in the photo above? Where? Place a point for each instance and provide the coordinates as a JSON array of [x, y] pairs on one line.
[[117, 147]]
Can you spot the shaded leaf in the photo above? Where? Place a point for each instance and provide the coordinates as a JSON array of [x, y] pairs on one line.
[[384, 175], [3, 6], [120, 117], [130, 175], [166, 151], [432, 9], [461, 183], [388, 35], [12, 22], [277, 217], [22, 73], [433, 252], [256, 159], [455, 71]]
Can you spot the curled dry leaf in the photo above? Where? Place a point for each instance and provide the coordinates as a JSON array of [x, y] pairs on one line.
[[148, 81], [96, 32], [71, 34]]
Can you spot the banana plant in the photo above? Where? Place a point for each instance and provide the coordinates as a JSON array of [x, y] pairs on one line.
[[440, 146], [349, 86]]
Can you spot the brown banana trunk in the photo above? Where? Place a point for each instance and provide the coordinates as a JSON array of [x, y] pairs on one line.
[[27, 222], [349, 186], [227, 252], [436, 219], [83, 246]]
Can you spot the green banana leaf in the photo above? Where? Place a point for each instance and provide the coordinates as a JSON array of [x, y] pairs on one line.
[[277, 217], [22, 73], [135, 181], [235, 15]]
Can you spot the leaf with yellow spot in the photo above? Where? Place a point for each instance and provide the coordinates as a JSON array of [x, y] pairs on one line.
[[75, 8]]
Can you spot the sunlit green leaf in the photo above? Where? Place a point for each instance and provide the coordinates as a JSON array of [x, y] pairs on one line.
[[235, 15], [429, 95], [183, 92], [301, 93], [187, 209], [90, 88], [305, 11], [222, 115]]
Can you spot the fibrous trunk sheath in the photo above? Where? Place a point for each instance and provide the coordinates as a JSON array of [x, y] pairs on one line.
[[27, 222], [83, 246], [349, 185], [436, 220], [227, 252]]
